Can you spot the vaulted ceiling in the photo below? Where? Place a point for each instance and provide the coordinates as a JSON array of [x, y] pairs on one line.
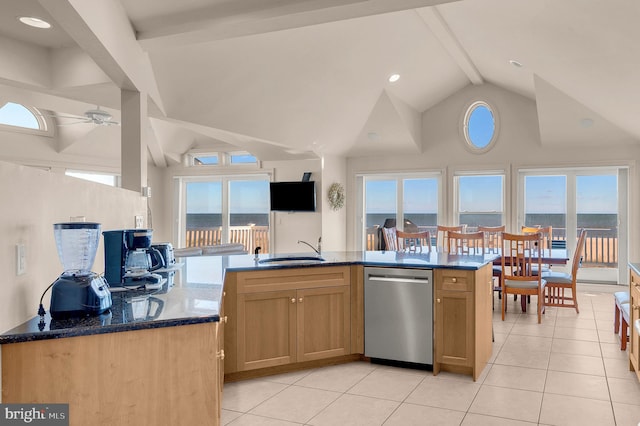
[[289, 79]]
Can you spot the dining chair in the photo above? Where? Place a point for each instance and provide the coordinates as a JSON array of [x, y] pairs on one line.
[[471, 243], [413, 241], [493, 244], [558, 282], [442, 236], [520, 255], [390, 238]]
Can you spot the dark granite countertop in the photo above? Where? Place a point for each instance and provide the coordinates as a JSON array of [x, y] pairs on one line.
[[196, 294]]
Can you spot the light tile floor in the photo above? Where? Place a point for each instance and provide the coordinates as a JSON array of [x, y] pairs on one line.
[[569, 370]]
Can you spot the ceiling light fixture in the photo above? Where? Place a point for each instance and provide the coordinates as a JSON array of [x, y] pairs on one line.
[[394, 77], [515, 63], [32, 21]]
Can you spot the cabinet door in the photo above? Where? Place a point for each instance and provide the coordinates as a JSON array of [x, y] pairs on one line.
[[324, 322], [454, 327], [266, 329]]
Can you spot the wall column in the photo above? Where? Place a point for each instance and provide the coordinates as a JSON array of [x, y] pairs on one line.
[[134, 140]]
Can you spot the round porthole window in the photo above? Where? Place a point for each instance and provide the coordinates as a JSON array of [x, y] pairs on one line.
[[480, 127]]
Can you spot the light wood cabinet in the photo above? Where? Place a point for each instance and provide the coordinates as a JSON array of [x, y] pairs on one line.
[[289, 316], [156, 376], [462, 320], [634, 314]]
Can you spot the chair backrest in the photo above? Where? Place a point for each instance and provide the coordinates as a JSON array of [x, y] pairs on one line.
[[577, 255], [492, 237], [545, 231], [520, 257], [414, 241], [390, 238], [466, 243], [442, 236]]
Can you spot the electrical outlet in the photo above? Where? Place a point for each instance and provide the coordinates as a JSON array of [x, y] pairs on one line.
[[21, 259], [139, 222]]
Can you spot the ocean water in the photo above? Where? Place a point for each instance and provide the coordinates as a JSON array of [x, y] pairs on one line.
[[214, 220]]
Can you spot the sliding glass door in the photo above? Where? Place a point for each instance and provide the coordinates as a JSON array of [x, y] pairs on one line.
[[409, 202], [589, 198], [224, 209]]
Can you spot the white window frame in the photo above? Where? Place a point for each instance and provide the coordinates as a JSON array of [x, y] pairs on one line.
[[399, 177], [464, 125], [180, 183], [471, 173], [622, 171]]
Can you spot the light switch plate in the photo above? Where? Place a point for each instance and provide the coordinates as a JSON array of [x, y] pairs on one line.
[[139, 222]]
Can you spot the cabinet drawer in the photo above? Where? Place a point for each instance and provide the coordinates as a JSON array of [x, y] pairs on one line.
[[293, 279], [455, 280]]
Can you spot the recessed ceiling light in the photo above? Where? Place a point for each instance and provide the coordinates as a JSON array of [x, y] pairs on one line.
[[394, 77], [515, 63], [32, 21]]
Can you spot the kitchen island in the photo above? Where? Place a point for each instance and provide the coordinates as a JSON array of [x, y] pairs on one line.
[[158, 358]]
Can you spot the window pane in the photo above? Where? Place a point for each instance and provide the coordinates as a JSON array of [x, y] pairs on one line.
[[17, 115], [545, 203], [597, 208], [243, 159], [205, 160], [249, 214], [380, 201], [481, 126], [480, 200], [204, 213], [420, 202]]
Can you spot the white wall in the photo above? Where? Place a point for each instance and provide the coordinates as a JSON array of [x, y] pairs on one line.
[[334, 223], [32, 201], [518, 145]]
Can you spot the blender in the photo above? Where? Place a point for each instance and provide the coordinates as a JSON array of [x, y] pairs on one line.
[[78, 292]]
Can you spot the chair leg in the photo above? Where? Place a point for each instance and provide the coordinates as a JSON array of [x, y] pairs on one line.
[[623, 336], [616, 320], [523, 302]]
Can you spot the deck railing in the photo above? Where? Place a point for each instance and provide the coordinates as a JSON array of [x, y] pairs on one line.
[[249, 236], [600, 250]]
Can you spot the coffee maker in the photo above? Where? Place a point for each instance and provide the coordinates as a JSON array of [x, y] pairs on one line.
[[130, 260], [78, 291]]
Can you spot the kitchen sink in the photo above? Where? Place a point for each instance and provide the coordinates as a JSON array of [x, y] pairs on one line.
[[292, 259]]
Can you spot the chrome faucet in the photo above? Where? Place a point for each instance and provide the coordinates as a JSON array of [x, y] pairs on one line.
[[317, 250]]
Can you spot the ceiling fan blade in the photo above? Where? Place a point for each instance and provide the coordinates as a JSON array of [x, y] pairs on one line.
[[74, 122]]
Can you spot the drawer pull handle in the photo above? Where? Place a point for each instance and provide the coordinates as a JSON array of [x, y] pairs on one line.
[[224, 319], [636, 307], [293, 300], [300, 300], [438, 300], [454, 280], [222, 354]]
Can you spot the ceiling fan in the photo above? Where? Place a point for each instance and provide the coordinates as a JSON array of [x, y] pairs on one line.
[[93, 116]]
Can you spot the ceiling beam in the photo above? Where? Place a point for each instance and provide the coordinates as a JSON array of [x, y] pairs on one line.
[[443, 33], [103, 31], [237, 19]]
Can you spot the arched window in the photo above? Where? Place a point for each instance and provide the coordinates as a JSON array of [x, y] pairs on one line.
[[22, 117]]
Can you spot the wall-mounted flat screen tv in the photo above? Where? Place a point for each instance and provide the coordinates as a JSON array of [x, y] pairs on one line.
[[293, 196]]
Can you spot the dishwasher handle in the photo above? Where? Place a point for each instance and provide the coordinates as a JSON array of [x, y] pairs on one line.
[[398, 279]]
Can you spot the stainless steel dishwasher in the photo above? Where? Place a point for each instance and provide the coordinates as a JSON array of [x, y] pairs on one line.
[[398, 314]]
